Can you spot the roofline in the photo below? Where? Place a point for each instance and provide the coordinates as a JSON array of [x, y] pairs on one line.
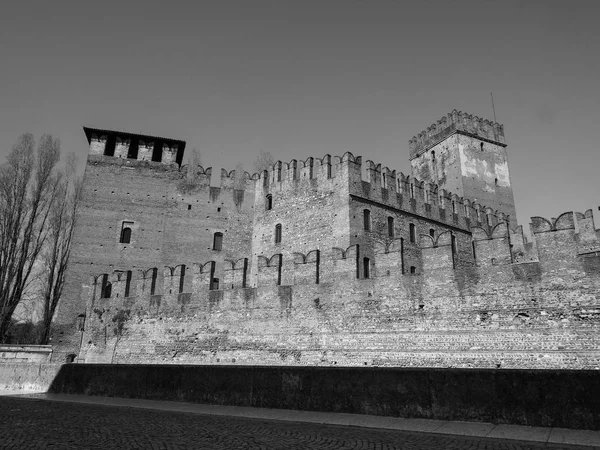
[[123, 134]]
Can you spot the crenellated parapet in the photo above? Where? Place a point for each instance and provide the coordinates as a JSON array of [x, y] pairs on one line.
[[555, 245], [405, 192], [456, 122]]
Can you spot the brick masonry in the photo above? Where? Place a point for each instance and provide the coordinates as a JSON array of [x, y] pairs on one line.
[[464, 289]]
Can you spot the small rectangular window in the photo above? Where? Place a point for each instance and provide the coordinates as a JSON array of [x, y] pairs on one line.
[[367, 220], [125, 237], [390, 226], [278, 233], [413, 233], [218, 242], [128, 283]]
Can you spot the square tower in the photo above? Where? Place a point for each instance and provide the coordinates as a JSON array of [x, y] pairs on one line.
[[466, 155]]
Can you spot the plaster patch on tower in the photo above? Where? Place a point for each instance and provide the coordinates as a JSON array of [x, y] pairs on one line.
[[473, 167], [502, 174]]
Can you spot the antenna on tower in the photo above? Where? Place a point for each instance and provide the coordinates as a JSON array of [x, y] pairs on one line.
[[493, 109]]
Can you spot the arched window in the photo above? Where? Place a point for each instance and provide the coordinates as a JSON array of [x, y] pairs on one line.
[[328, 170], [412, 190], [367, 220], [106, 287], [413, 270], [278, 233], [125, 233], [366, 267], [481, 145], [127, 283], [153, 282], [412, 233], [432, 232], [279, 172], [390, 226], [495, 181], [433, 155], [218, 241], [269, 202]]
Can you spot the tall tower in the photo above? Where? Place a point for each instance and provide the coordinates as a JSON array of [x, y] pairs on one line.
[[466, 155]]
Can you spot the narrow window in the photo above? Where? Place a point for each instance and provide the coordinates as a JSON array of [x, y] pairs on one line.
[[328, 170], [106, 287], [126, 233], [218, 242], [453, 238], [132, 152], [111, 143], [310, 169], [478, 215], [318, 264], [278, 233], [214, 282], [402, 255], [367, 220], [189, 207], [391, 226], [153, 283], [182, 278], [269, 202], [453, 207], [495, 181], [244, 281], [433, 155], [489, 221], [413, 270], [279, 172], [432, 232], [481, 145], [412, 191], [366, 267], [127, 283], [412, 232]]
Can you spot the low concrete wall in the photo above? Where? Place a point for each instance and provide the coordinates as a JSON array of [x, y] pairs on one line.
[[557, 398], [22, 377], [25, 353]]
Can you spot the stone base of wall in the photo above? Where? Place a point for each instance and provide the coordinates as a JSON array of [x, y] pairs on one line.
[[25, 353], [551, 398], [22, 378]]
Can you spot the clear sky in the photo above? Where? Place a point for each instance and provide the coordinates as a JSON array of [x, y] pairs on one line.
[[304, 78]]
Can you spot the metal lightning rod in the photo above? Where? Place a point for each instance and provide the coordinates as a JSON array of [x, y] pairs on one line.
[[493, 109]]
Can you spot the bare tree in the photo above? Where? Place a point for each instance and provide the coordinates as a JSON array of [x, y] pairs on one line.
[[55, 256], [28, 187], [264, 161]]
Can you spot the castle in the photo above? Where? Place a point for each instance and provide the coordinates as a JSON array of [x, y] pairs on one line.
[[330, 261]]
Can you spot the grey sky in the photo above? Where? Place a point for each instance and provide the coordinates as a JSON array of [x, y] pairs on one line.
[[305, 78]]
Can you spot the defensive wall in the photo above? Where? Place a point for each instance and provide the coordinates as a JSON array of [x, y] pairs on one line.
[[518, 305], [550, 398]]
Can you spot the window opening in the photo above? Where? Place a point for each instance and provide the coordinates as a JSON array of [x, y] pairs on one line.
[[111, 143], [390, 226], [278, 233], [181, 278], [153, 283], [402, 255], [218, 242], [127, 283], [214, 282], [125, 233], [244, 281], [433, 155], [432, 232], [367, 220], [157, 152], [412, 191], [189, 207], [269, 203], [495, 181], [412, 232], [132, 152], [413, 270], [279, 172], [366, 267], [106, 287]]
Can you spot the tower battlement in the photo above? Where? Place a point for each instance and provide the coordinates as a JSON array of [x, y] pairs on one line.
[[456, 122], [134, 146]]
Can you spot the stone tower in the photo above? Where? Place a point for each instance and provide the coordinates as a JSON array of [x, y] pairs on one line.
[[466, 155]]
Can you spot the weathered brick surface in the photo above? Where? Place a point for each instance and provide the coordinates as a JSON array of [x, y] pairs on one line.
[[491, 299]]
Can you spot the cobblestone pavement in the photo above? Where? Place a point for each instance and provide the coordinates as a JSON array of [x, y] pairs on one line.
[[39, 424]]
